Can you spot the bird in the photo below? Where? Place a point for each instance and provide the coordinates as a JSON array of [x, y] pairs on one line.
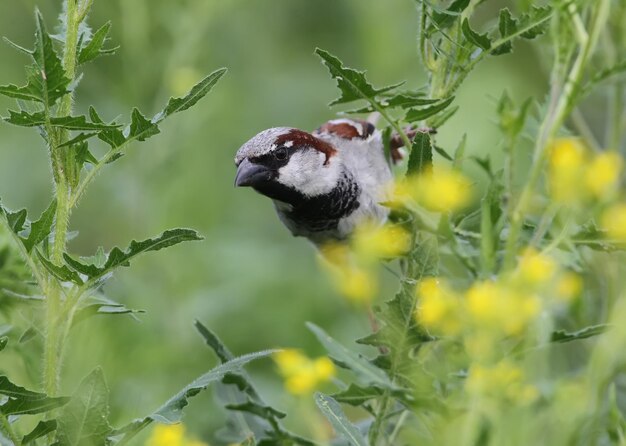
[[325, 183]]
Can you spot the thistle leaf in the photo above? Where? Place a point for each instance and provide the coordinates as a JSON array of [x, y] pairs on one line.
[[421, 156], [420, 114], [562, 336], [333, 412], [140, 127], [117, 257], [84, 421], [42, 428], [175, 105], [479, 40], [26, 402], [93, 49], [63, 273], [40, 229], [26, 119], [352, 83], [365, 370]]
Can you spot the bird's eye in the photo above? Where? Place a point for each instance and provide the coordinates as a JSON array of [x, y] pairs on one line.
[[281, 154]]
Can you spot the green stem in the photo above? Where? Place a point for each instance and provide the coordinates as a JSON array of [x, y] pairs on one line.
[[6, 427], [551, 125], [61, 166]]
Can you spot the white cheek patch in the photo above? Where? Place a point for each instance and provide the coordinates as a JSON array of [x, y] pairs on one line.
[[306, 173]]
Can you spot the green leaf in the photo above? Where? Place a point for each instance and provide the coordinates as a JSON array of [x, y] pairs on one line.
[[479, 40], [534, 23], [561, 336], [420, 114], [117, 257], [3, 342], [84, 421], [365, 370], [444, 18], [26, 402], [175, 105], [98, 305], [113, 137], [333, 412], [421, 156], [46, 79], [507, 26], [40, 229], [16, 220], [171, 411], [259, 410], [352, 83], [63, 273], [26, 119], [78, 139], [356, 395], [140, 127], [94, 48], [43, 428]]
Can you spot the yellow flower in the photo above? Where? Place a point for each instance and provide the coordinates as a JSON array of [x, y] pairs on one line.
[[504, 381], [602, 176], [302, 374], [171, 435], [372, 241], [613, 221], [567, 162], [442, 190], [356, 283], [568, 286], [437, 307], [494, 306], [535, 268]]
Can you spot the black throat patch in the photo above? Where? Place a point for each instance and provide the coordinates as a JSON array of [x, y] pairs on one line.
[[323, 212]]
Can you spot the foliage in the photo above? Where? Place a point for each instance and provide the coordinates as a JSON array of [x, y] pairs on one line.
[[503, 329]]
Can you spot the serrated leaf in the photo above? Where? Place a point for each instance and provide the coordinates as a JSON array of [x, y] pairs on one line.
[[333, 412], [140, 127], [352, 83], [421, 156], [32, 407], [84, 421], [444, 18], [366, 371], [63, 273], [175, 105], [26, 119], [356, 395], [507, 26], [420, 114], [171, 411], [480, 40], [16, 220], [534, 22], [46, 79], [257, 409], [117, 257], [7, 388], [43, 428], [562, 336], [113, 137], [40, 229], [94, 48], [78, 139]]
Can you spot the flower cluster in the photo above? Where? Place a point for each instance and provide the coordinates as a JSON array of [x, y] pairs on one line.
[[353, 265], [302, 374]]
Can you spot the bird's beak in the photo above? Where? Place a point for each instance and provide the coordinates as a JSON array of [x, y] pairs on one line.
[[250, 174]]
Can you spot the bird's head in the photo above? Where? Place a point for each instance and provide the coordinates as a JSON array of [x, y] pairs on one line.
[[287, 164]]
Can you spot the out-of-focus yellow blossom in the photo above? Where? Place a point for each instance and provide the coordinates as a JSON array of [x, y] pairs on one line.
[[568, 286], [438, 307], [497, 307], [441, 190], [504, 381], [603, 173], [373, 241], [354, 281], [535, 268], [567, 161], [171, 435], [613, 221], [302, 374]]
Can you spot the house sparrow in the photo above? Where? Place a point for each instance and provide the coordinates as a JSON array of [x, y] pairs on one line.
[[323, 184]]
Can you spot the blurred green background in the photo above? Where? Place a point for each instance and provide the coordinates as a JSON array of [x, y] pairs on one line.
[[249, 280]]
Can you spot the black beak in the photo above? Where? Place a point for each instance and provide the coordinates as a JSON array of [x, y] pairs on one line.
[[250, 174]]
